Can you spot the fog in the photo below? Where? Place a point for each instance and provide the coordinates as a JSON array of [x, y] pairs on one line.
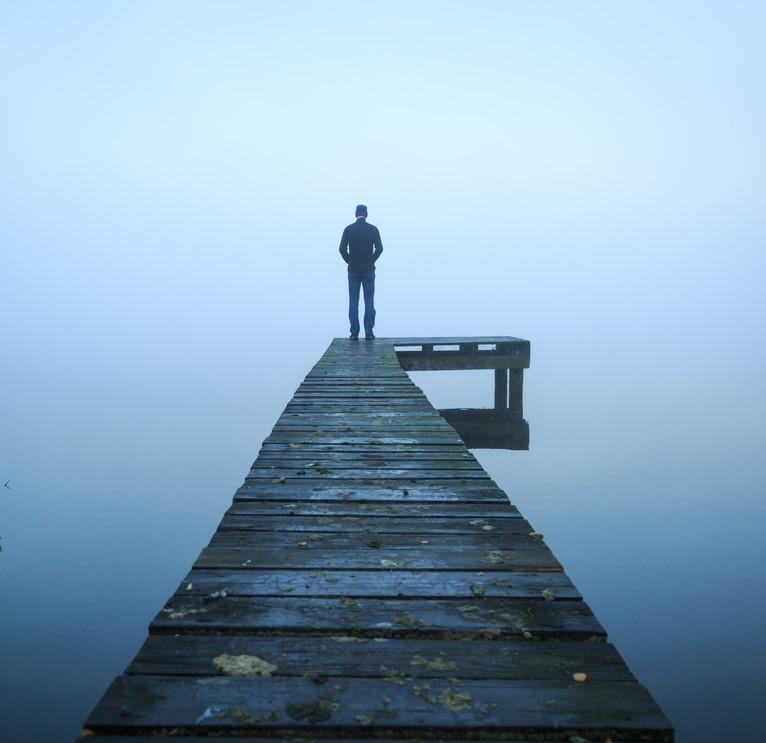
[[174, 180]]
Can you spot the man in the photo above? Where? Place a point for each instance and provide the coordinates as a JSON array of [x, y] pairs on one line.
[[360, 247]]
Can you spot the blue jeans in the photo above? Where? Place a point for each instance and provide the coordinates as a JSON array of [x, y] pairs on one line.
[[367, 282]]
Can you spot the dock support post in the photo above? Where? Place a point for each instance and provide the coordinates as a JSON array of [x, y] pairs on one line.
[[516, 393], [501, 389]]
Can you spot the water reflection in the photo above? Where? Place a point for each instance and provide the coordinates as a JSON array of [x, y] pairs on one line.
[[489, 428]]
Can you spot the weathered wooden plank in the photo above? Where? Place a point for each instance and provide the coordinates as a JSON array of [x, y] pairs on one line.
[[190, 655], [400, 451], [348, 406], [290, 457], [406, 392], [322, 473], [437, 558], [370, 525], [444, 484], [401, 510], [409, 418], [436, 434], [406, 488], [293, 705], [362, 393], [360, 400], [336, 416], [482, 541], [336, 459], [368, 617], [88, 734], [346, 437], [439, 429], [377, 584], [354, 374], [366, 394], [364, 399], [315, 468]]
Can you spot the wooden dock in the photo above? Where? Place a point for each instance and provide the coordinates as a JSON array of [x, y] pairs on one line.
[[371, 580]]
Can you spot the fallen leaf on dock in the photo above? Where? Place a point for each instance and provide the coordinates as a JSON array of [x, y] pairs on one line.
[[454, 700], [580, 676], [243, 665], [407, 621], [437, 664]]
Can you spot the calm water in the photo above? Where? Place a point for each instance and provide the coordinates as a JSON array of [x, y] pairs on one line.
[[646, 480]]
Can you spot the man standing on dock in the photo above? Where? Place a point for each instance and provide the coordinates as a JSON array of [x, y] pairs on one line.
[[360, 247]]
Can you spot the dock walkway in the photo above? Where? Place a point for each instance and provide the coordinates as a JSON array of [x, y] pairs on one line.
[[372, 580]]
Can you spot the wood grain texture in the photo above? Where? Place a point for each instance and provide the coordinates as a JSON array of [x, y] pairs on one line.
[[361, 706]]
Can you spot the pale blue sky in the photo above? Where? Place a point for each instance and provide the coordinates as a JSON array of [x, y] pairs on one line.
[[194, 155]]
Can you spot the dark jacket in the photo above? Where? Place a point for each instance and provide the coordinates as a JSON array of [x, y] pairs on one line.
[[360, 246]]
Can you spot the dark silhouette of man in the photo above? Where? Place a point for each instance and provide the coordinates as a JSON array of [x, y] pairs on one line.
[[360, 247]]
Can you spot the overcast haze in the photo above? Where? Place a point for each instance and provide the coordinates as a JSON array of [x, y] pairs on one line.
[[174, 180]]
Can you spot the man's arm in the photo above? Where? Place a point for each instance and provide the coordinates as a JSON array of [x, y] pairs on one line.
[[378, 246], [343, 249]]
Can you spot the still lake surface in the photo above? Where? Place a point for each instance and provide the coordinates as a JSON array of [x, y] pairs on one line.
[[646, 479]]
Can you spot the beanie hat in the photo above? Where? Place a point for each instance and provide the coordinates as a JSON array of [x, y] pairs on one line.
[[361, 211]]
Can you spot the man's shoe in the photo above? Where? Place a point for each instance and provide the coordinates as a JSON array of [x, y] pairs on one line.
[[354, 336], [369, 336]]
